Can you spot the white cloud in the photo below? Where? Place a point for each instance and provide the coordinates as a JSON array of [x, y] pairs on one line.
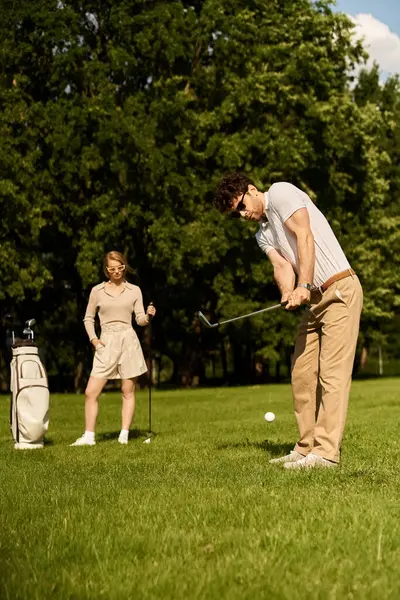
[[382, 45]]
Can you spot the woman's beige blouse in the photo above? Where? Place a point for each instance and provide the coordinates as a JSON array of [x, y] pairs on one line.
[[114, 308]]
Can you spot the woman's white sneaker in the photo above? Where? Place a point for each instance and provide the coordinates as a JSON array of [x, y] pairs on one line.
[[84, 441], [123, 436]]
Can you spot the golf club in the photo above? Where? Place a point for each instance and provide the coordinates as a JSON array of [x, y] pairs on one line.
[[207, 323], [147, 440], [27, 332]]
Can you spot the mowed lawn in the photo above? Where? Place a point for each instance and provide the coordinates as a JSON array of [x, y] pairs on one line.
[[199, 512]]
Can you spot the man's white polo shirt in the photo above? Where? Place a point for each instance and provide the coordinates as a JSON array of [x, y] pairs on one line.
[[281, 201]]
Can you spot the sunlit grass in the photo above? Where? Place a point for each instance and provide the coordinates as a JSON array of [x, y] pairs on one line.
[[199, 512]]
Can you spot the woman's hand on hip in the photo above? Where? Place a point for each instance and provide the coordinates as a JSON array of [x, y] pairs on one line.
[[97, 342]]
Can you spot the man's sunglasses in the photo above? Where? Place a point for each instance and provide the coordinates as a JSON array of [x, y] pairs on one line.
[[240, 206]]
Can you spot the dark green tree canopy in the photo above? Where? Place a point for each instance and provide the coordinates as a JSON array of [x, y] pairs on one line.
[[117, 120]]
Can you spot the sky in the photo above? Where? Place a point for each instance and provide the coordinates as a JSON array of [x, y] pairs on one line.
[[378, 21]]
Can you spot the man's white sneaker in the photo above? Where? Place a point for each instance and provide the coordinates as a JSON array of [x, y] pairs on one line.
[[310, 462], [84, 441], [294, 456], [123, 439]]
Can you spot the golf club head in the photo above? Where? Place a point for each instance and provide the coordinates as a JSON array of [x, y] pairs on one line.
[[147, 441], [205, 321]]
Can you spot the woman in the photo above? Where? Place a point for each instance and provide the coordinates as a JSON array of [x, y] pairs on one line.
[[118, 354]]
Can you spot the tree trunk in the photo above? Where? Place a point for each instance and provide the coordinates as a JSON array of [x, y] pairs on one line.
[[224, 361], [78, 377], [364, 358]]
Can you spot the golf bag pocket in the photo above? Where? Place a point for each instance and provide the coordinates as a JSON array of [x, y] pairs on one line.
[[29, 413]]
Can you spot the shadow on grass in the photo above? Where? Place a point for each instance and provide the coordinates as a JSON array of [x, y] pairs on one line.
[[113, 435], [270, 447]]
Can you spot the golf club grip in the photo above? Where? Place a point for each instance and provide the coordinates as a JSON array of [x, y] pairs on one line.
[[283, 304]]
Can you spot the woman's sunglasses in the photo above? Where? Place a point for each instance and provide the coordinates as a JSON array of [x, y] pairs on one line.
[[116, 269]]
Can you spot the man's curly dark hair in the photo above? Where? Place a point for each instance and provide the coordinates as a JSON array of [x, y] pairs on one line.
[[230, 187]]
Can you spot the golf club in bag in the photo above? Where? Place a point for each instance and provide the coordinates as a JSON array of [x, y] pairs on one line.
[[29, 407], [207, 323]]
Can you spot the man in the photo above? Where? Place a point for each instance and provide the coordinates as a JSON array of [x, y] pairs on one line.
[[310, 268]]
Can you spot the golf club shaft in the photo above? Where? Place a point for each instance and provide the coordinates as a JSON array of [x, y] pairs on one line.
[[151, 376], [150, 372], [257, 312]]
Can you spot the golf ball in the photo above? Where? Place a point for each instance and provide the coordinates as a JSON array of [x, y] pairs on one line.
[[269, 416]]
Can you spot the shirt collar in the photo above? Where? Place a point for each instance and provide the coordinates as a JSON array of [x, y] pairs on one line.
[[266, 200], [127, 286], [264, 218]]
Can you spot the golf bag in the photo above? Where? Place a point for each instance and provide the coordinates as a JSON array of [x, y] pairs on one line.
[[29, 410]]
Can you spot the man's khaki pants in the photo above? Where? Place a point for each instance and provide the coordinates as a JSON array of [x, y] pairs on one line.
[[322, 367]]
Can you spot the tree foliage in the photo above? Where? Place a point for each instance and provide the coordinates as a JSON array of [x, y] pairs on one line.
[[117, 120]]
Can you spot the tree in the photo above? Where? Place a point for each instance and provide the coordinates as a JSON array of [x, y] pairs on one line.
[[121, 119]]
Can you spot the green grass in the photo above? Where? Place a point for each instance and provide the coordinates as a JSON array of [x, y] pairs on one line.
[[199, 512]]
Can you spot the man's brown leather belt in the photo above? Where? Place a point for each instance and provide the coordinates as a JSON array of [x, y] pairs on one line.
[[337, 277]]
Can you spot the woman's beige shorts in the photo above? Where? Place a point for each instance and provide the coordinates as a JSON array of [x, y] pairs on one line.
[[121, 357]]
